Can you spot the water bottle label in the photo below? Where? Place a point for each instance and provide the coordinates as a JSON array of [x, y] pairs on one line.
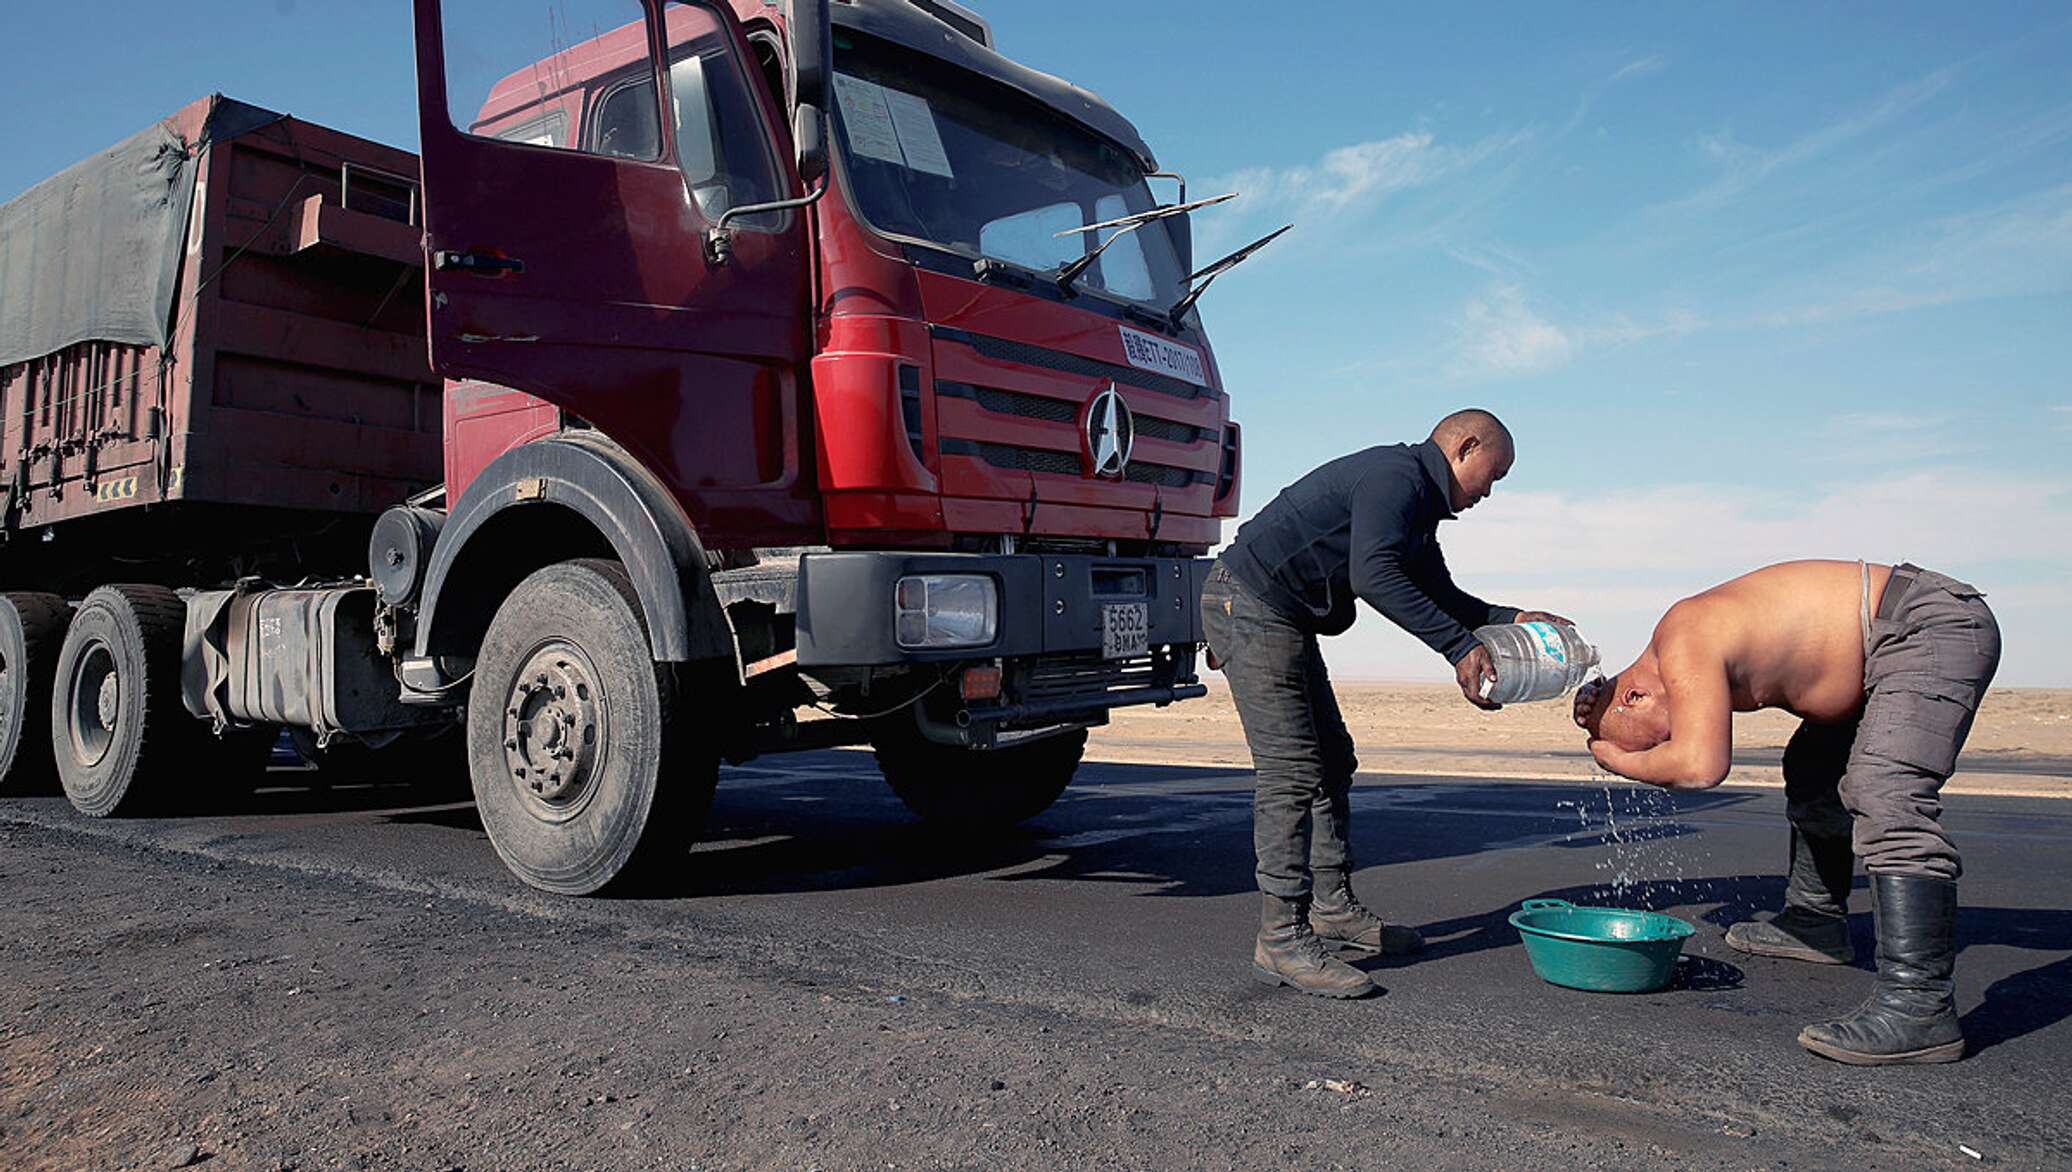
[[1550, 641]]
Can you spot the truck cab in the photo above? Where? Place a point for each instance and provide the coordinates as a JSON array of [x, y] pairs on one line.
[[823, 273]]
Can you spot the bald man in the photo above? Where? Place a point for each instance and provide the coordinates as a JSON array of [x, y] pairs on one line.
[[1363, 527], [1885, 667]]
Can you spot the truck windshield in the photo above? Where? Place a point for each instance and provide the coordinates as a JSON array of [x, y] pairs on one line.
[[935, 154]]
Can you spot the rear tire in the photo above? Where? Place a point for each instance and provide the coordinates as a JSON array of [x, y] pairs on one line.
[[32, 628], [585, 773], [978, 789], [118, 729]]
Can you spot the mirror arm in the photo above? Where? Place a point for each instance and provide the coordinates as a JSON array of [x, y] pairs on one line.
[[719, 239]]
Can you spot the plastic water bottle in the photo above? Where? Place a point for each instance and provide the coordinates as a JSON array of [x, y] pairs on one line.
[[1534, 661]]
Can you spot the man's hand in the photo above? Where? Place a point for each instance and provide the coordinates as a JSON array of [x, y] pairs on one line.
[[1586, 701], [1473, 668], [1542, 616]]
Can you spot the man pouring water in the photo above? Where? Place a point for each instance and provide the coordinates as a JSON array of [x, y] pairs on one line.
[[1363, 527]]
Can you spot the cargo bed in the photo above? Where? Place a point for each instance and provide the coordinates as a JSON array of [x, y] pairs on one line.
[[218, 323]]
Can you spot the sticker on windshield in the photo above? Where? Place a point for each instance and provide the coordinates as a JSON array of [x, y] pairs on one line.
[[867, 119], [914, 122], [1151, 352]]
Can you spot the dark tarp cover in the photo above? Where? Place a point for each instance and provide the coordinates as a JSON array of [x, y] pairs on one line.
[[93, 252]]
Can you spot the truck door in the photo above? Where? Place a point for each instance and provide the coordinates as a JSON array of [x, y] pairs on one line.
[[575, 154]]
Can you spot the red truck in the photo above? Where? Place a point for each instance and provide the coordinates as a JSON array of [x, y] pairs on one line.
[[714, 364]]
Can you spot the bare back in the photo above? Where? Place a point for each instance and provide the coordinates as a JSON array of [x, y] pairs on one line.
[[1791, 635]]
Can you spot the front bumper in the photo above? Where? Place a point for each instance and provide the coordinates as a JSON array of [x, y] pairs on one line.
[[1050, 604], [1048, 641]]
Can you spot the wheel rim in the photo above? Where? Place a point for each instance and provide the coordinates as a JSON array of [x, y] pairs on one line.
[[8, 699], [556, 731], [96, 703]]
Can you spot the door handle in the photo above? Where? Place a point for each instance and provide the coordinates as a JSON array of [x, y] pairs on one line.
[[488, 264]]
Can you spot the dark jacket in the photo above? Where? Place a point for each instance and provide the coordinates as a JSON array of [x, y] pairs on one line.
[[1363, 526]]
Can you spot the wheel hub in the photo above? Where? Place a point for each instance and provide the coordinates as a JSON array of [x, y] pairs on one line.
[[553, 727], [96, 704]]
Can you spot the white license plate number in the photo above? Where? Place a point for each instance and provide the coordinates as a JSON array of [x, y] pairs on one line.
[[1125, 630]]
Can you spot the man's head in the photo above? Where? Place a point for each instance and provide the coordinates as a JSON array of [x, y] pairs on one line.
[[1631, 709], [1479, 451]]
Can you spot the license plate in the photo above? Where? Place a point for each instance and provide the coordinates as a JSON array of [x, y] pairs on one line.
[[1125, 630]]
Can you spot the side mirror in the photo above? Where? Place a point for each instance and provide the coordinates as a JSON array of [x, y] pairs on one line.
[[1181, 229], [812, 52], [809, 131]]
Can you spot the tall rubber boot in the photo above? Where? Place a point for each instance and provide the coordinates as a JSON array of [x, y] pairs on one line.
[[1338, 917], [1911, 1014], [1814, 925], [1288, 953]]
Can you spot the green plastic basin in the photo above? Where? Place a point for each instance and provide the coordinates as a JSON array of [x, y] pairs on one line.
[[1600, 949]]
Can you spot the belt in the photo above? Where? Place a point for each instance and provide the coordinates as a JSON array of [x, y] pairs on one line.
[[1902, 580]]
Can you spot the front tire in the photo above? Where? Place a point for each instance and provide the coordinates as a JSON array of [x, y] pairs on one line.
[[978, 790], [32, 628], [585, 773], [119, 731]]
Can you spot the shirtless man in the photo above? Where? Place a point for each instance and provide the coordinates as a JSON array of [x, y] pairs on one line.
[[1885, 666]]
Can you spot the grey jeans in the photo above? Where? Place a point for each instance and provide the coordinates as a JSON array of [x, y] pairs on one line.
[[1930, 656], [1301, 753]]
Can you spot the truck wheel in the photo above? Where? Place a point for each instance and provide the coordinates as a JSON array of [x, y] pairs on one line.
[[585, 775], [118, 728], [978, 789], [31, 628]]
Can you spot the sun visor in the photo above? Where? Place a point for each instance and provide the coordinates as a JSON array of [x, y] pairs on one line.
[[906, 25]]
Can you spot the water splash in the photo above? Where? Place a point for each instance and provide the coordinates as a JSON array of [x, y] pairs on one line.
[[1648, 853]]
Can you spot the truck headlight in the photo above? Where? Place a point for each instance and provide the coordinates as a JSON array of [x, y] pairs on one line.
[[945, 610]]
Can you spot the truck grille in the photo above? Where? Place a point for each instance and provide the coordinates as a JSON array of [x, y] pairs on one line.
[[1171, 431], [1086, 674], [1029, 354], [1017, 458], [1027, 406], [1164, 475]]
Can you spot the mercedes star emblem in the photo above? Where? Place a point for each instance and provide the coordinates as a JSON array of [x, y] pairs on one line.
[[1111, 431]]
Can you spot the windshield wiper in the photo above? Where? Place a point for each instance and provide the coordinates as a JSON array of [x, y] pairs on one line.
[[1124, 225], [1208, 275]]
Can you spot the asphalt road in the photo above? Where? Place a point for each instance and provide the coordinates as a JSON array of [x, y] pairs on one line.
[[833, 986]]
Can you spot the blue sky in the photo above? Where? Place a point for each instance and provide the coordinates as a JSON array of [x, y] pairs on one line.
[[1749, 282]]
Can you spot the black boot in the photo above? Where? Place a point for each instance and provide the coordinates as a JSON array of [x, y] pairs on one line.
[[1288, 953], [1814, 925], [1911, 1014], [1337, 916]]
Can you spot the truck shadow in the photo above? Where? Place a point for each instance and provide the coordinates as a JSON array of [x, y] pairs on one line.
[[1181, 831]]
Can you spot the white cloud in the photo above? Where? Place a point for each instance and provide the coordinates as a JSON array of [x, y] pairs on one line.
[[1652, 63], [1615, 559], [1855, 421], [1685, 532], [1353, 178], [1745, 167], [1499, 334], [2022, 247]]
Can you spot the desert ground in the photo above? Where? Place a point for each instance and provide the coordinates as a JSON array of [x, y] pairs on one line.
[[2020, 744], [316, 978]]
